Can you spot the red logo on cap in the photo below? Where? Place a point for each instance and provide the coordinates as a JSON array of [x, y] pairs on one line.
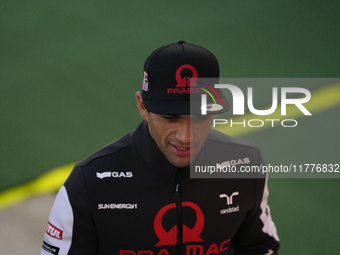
[[189, 235], [186, 81]]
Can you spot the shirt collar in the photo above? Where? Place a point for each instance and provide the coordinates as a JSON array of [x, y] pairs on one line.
[[151, 154]]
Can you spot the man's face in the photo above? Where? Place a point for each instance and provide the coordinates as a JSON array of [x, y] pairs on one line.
[[179, 137]]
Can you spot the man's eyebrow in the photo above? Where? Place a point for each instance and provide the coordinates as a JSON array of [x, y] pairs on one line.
[[173, 115]]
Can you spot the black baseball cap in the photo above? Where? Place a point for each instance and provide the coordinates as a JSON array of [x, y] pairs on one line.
[[176, 75]]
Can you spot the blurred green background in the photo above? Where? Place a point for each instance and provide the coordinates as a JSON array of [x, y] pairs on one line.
[[69, 71]]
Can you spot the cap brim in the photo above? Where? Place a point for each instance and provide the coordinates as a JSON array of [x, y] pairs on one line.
[[193, 107]]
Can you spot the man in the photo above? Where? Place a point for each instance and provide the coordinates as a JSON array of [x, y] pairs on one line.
[[135, 196]]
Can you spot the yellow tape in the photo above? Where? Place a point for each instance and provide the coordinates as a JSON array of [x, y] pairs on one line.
[[49, 182]]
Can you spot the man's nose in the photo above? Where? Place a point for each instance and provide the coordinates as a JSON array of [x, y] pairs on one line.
[[183, 133]]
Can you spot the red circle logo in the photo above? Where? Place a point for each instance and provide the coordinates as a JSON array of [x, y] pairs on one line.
[[189, 235], [186, 81]]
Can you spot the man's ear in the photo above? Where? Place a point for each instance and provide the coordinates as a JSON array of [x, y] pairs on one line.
[[140, 106]]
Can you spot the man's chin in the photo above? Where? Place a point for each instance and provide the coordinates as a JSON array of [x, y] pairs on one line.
[[181, 162], [181, 165]]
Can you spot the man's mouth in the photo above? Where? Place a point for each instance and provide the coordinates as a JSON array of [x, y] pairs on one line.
[[180, 150]]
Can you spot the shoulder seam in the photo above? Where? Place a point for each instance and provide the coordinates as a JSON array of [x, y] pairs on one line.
[[100, 153]]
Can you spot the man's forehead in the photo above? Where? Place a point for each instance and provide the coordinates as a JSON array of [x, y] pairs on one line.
[[186, 116]]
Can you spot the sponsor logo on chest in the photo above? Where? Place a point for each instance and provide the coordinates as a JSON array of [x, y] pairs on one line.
[[230, 202], [117, 206], [191, 239], [114, 175], [234, 162]]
